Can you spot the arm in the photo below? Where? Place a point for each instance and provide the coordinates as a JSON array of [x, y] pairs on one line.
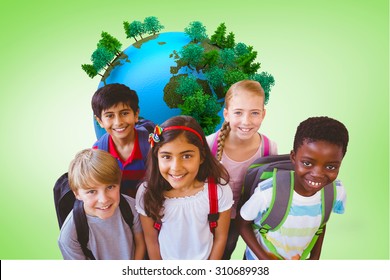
[[140, 247], [316, 251], [151, 237], [220, 236], [246, 231]]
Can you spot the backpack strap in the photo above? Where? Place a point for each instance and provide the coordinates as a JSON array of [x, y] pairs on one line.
[[213, 215], [265, 146], [283, 188], [282, 193], [126, 212], [215, 144], [328, 197], [102, 143], [82, 229], [143, 142], [213, 202]]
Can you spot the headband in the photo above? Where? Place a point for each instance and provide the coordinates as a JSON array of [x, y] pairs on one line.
[[158, 130]]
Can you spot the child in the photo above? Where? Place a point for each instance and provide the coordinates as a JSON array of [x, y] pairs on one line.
[[319, 147], [115, 107], [94, 178], [238, 143], [176, 194]]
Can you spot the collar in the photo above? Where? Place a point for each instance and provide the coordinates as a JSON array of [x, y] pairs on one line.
[[135, 154]]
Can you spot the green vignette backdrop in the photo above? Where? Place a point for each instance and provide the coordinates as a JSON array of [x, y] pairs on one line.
[[328, 58]]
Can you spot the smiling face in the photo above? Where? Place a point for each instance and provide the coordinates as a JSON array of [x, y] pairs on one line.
[[100, 200], [317, 164], [245, 114], [179, 163], [119, 121]]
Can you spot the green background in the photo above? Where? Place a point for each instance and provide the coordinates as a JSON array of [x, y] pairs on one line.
[[328, 58]]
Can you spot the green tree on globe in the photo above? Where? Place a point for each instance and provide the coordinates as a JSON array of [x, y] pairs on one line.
[[177, 72]]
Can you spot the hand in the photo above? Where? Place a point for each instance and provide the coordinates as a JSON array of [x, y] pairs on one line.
[[296, 257]]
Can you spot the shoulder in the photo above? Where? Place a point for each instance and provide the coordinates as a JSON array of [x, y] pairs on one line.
[[211, 138], [273, 147], [102, 142], [341, 197]]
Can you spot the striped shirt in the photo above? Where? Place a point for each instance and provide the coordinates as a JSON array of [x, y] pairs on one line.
[[304, 219]]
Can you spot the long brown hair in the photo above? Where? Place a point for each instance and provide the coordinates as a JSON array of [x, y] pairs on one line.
[[156, 184]]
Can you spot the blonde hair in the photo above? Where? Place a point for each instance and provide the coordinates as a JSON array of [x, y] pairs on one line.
[[93, 166], [235, 89]]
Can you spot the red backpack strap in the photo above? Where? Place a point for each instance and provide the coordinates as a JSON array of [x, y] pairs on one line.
[[265, 145], [213, 201], [215, 144]]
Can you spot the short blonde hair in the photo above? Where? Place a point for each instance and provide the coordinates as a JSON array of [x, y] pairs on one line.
[[93, 166]]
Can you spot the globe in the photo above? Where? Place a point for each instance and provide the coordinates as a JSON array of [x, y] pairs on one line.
[[146, 67]]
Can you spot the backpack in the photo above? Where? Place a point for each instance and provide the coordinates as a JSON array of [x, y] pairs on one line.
[[280, 168], [213, 215], [65, 201]]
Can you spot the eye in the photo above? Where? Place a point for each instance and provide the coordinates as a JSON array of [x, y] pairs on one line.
[[91, 192], [111, 187], [237, 113], [166, 157], [306, 163], [125, 113], [187, 156], [331, 167], [255, 113], [109, 116]]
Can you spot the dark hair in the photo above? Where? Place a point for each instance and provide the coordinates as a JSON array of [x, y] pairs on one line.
[[156, 184], [322, 129], [111, 95]]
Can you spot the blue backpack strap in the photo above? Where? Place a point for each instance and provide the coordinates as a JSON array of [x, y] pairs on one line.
[[213, 202], [102, 143], [82, 229], [144, 145]]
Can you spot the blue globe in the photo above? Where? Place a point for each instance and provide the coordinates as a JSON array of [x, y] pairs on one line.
[[146, 67]]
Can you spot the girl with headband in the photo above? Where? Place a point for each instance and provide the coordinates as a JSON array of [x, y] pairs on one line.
[[174, 203]]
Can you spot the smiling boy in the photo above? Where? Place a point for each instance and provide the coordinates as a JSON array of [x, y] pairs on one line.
[[94, 178], [320, 145], [116, 109]]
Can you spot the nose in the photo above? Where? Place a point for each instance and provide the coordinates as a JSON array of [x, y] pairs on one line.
[[118, 119], [103, 198], [317, 172], [246, 118], [176, 164]]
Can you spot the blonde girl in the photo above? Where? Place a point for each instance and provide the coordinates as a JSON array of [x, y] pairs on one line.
[[238, 143]]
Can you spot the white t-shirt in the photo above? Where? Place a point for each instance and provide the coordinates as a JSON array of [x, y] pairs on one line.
[[302, 222], [185, 233]]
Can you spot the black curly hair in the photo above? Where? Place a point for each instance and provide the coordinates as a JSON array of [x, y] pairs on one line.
[[322, 129]]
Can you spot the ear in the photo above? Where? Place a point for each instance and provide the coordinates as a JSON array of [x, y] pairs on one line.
[[264, 112], [76, 194], [292, 156], [99, 121], [136, 116], [225, 114]]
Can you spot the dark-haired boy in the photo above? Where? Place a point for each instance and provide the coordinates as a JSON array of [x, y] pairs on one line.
[[116, 109], [320, 144]]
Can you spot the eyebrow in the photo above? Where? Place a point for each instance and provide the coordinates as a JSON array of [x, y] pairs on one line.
[[183, 152]]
